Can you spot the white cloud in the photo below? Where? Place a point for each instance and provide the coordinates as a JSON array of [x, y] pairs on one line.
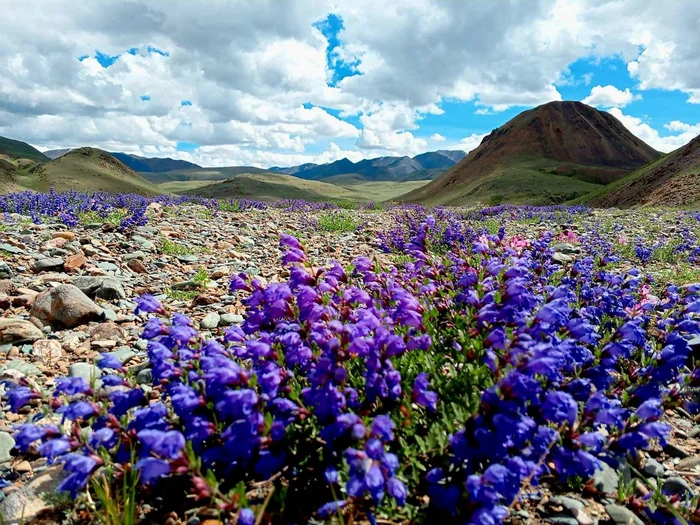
[[652, 137], [609, 96], [437, 137], [251, 69]]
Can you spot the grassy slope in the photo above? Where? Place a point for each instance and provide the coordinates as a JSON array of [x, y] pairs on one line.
[[525, 181], [201, 174], [21, 150], [267, 186], [85, 169]]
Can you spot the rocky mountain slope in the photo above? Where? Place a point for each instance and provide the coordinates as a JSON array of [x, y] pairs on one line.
[[17, 149], [552, 153], [673, 180]]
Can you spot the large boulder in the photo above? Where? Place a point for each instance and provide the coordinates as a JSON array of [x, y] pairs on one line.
[[26, 504], [65, 306], [18, 331]]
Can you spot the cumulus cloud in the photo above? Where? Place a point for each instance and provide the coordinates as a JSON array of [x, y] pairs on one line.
[[258, 77], [437, 137], [684, 133], [609, 96]]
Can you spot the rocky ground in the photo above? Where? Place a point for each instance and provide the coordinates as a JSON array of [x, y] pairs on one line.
[[66, 295]]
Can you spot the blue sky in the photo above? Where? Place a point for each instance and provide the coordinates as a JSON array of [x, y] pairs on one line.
[[284, 83]]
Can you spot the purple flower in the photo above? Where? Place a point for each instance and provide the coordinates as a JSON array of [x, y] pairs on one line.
[[151, 469], [148, 304], [421, 395], [19, 397], [109, 361]]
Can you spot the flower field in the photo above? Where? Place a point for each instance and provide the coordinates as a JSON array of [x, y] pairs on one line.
[[503, 352]]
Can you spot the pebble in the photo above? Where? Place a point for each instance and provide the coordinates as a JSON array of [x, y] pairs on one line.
[[87, 371], [606, 479], [654, 468], [622, 515], [7, 443], [689, 462], [229, 319], [676, 485], [210, 321], [125, 355]]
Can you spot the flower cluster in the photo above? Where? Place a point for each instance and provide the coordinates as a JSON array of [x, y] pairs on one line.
[[470, 371]]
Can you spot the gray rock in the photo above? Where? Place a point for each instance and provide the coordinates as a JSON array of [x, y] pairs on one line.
[[145, 377], [141, 344], [561, 519], [88, 285], [109, 315], [606, 479], [110, 289], [134, 255], [675, 452], [5, 271], [25, 504], [187, 259], [561, 258], [144, 243], [108, 266], [7, 443], [689, 463], [66, 306], [229, 319], [14, 330], [124, 355], [654, 468], [49, 264], [87, 371], [622, 515], [4, 247], [26, 369], [676, 485], [210, 321], [568, 503], [565, 247]]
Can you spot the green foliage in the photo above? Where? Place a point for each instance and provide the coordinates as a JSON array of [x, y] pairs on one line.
[[115, 218], [337, 222], [168, 247], [118, 507], [231, 206], [345, 204], [201, 277], [181, 295]]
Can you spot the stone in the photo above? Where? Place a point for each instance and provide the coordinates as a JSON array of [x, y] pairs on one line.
[[13, 250], [74, 262], [47, 350], [582, 517], [568, 503], [137, 266], [14, 330], [561, 519], [7, 443], [65, 306], [144, 377], [69, 236], [107, 266], [210, 321], [676, 485], [23, 467], [49, 264], [134, 255], [675, 452], [105, 331], [5, 270], [229, 319], [606, 479], [689, 463], [110, 290], [88, 285], [125, 355], [24, 368], [109, 315], [144, 243], [561, 258], [25, 504], [7, 287], [654, 468], [87, 371], [622, 515], [185, 285], [187, 259]]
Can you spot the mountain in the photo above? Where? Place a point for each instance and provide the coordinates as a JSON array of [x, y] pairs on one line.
[[673, 180], [153, 165], [553, 153], [53, 154], [85, 169], [20, 150], [200, 174], [421, 167]]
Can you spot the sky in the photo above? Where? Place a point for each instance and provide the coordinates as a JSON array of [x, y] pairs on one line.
[[282, 83]]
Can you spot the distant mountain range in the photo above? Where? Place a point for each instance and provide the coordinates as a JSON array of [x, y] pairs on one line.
[[550, 154], [421, 167], [136, 163]]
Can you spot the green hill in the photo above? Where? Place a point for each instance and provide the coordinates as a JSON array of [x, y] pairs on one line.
[[200, 174], [84, 169], [20, 150]]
